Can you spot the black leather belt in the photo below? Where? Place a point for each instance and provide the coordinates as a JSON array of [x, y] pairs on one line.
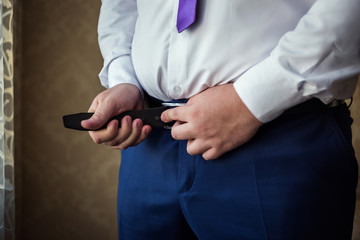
[[151, 116]]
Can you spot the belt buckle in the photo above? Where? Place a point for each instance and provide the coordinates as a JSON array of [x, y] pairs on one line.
[[172, 105]]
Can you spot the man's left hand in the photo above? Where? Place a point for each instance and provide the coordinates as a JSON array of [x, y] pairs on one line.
[[214, 122]]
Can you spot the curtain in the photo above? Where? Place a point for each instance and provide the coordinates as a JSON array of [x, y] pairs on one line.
[[7, 193]]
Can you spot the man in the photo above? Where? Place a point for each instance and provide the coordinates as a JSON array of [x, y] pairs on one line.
[[261, 79]]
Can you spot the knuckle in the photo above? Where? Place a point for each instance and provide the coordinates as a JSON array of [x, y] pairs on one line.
[[113, 143], [122, 147], [216, 155], [95, 137], [194, 114], [208, 157], [217, 143], [205, 157], [202, 128], [98, 115], [190, 151], [97, 140], [212, 154], [112, 132], [174, 134]]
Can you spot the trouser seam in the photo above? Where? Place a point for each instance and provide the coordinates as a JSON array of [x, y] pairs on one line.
[[122, 202], [258, 198]]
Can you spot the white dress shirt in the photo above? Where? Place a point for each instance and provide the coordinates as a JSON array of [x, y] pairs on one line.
[[278, 53]]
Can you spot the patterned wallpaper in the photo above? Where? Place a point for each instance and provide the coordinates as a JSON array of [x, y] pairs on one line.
[[7, 192]]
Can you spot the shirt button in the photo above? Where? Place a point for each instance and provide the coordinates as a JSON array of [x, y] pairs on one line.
[[178, 89]]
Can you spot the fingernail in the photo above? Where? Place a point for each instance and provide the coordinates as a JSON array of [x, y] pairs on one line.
[[163, 118], [138, 124], [128, 120], [86, 121]]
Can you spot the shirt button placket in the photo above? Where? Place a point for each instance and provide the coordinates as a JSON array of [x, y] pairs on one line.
[[176, 67], [177, 90]]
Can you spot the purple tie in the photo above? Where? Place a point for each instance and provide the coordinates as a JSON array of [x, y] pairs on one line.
[[186, 14]]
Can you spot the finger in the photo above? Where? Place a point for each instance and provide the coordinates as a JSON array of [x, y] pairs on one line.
[[134, 135], [196, 146], [98, 119], [212, 154], [145, 131], [182, 131], [119, 133], [123, 133], [174, 114], [107, 134]]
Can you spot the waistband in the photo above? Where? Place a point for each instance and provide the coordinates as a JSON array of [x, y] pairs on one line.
[[151, 102], [313, 104]]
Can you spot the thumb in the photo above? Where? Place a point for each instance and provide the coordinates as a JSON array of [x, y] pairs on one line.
[[98, 119]]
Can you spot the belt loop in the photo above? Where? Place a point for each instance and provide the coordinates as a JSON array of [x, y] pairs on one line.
[[351, 101]]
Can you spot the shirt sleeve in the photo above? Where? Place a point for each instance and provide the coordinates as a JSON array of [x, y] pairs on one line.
[[319, 58], [115, 33]]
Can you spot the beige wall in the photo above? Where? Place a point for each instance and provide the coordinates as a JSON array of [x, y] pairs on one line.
[[66, 185], [355, 112]]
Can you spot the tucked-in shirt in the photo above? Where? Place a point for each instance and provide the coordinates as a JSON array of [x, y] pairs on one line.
[[277, 53]]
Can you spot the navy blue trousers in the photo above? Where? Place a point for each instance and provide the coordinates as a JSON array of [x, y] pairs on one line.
[[295, 179]]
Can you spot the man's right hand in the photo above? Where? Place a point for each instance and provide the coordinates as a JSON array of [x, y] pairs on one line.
[[113, 101]]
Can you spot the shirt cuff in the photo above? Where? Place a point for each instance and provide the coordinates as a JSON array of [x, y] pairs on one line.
[[266, 92], [119, 71]]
